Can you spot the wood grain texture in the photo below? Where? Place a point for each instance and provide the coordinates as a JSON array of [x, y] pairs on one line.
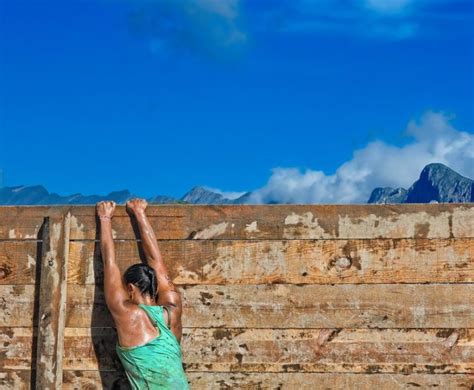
[[435, 351], [17, 348], [289, 221], [305, 306], [327, 381], [52, 302], [258, 222], [295, 350], [18, 261], [290, 261], [283, 381], [384, 306], [16, 379], [24, 222], [17, 305], [108, 380], [278, 296]]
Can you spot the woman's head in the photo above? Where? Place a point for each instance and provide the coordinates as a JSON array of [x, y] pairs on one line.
[[141, 279]]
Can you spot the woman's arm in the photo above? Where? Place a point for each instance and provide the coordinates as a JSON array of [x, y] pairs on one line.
[[115, 293], [167, 292]]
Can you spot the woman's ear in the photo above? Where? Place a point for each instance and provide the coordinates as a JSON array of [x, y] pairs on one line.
[[130, 289]]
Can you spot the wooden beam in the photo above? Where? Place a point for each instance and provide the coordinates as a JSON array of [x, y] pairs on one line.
[[229, 262], [268, 305], [301, 306], [85, 379], [260, 222], [52, 301], [289, 222], [24, 222], [401, 351]]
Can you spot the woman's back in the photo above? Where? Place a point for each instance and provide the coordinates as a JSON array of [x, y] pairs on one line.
[[158, 363]]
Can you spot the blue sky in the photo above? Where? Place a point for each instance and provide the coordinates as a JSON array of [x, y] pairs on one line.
[[159, 96]]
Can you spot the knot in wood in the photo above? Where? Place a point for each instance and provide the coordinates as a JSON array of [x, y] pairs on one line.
[[343, 263]]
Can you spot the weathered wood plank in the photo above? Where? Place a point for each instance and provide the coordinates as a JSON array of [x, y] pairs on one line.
[[404, 351], [385, 306], [327, 381], [290, 221], [24, 222], [294, 350], [302, 306], [17, 348], [260, 222], [76, 379], [17, 305], [15, 379], [18, 261], [289, 381], [291, 261], [52, 302]]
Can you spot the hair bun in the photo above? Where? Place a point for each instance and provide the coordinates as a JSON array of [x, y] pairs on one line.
[[150, 273]]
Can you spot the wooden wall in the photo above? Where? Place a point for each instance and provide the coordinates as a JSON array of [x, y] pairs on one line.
[[275, 297]]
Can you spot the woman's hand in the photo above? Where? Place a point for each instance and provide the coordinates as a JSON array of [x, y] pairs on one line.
[[105, 209], [136, 205]]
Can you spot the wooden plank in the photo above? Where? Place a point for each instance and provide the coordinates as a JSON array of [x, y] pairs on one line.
[[17, 305], [302, 306], [107, 380], [52, 302], [16, 379], [291, 261], [250, 380], [18, 261], [385, 306], [259, 222], [17, 348], [404, 351], [24, 222], [309, 381], [19, 380], [439, 351], [290, 221]]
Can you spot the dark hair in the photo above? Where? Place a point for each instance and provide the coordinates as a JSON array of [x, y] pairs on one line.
[[142, 276]]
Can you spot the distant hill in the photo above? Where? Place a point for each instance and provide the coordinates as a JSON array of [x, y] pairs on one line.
[[437, 183]]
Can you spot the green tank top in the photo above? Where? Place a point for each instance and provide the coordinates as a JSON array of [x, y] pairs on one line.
[[158, 363]]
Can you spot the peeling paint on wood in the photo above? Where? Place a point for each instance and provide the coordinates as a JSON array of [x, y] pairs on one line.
[[17, 305], [293, 261]]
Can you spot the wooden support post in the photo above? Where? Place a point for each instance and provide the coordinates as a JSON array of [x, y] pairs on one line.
[[52, 301]]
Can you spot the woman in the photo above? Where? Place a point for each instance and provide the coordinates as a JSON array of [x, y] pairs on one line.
[[145, 306]]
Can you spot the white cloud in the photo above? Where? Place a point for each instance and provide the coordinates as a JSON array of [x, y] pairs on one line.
[[210, 27], [434, 139]]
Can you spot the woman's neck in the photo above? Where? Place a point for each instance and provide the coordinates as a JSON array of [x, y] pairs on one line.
[[146, 300]]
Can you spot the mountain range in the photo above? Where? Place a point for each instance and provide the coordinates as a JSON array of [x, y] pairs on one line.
[[437, 183]]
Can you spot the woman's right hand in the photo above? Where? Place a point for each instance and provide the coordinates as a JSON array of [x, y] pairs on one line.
[[136, 205], [105, 208]]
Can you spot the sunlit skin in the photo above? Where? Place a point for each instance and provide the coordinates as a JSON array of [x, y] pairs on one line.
[[133, 325]]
